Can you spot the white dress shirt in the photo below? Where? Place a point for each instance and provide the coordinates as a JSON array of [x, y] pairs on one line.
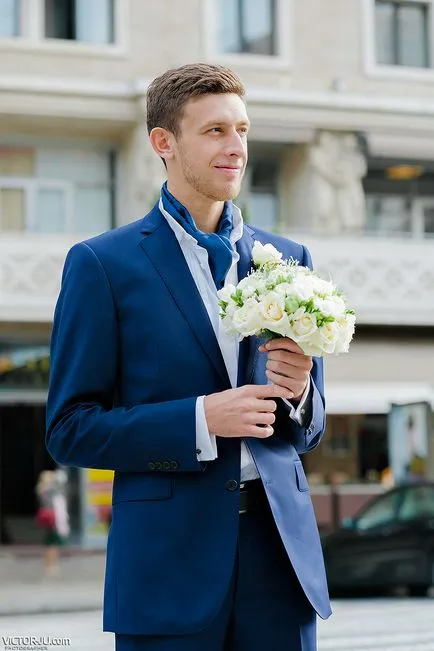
[[197, 260]]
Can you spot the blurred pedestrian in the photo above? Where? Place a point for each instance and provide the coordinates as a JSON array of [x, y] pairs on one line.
[[52, 516]]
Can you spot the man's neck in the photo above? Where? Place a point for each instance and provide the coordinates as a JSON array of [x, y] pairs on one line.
[[205, 212]]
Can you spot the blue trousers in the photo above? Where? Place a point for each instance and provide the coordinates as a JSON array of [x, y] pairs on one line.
[[265, 607]]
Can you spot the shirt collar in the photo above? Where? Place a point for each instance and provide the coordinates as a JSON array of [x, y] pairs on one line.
[[182, 235]]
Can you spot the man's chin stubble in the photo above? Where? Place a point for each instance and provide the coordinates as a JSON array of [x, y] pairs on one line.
[[225, 194]]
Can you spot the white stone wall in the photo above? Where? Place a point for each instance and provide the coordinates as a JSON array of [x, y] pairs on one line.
[[323, 80]]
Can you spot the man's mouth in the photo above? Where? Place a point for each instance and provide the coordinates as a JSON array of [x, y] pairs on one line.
[[228, 169]]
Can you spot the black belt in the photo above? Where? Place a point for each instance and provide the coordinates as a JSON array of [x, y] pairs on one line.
[[253, 497]]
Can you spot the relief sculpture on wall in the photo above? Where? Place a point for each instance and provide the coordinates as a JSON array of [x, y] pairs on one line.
[[335, 168], [325, 184]]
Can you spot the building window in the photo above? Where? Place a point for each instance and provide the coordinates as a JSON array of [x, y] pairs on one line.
[[399, 198], [247, 26], [54, 190], [80, 20], [9, 18], [403, 33], [388, 214]]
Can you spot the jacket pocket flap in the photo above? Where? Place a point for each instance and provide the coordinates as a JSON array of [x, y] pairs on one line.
[[302, 484], [130, 487]]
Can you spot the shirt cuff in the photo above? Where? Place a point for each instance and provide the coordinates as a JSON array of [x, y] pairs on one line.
[[298, 414], [206, 444]]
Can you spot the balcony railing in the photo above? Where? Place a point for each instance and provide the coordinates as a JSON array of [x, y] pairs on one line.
[[30, 273], [388, 281]]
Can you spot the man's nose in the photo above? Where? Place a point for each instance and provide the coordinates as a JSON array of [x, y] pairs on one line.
[[236, 145]]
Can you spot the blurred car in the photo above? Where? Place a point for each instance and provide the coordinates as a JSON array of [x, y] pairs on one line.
[[388, 544]]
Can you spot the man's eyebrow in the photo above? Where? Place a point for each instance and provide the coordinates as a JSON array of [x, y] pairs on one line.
[[222, 123]]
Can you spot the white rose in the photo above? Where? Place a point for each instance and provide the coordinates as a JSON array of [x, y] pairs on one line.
[[283, 288], [246, 320], [328, 336], [346, 327], [296, 316], [273, 315], [279, 274], [300, 270], [263, 253], [322, 286], [302, 288], [250, 284], [226, 292], [310, 348], [330, 306], [226, 313], [304, 327]]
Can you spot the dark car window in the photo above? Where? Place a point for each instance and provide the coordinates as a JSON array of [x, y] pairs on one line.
[[418, 503], [383, 511]]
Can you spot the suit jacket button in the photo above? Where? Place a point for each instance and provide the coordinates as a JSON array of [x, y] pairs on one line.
[[232, 485], [174, 465], [158, 466], [166, 465], [151, 466]]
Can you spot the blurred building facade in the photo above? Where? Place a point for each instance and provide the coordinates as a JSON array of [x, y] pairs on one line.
[[341, 157]]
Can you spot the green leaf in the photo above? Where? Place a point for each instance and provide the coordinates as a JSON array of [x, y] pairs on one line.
[[320, 319], [309, 306], [291, 304], [238, 297], [268, 334]]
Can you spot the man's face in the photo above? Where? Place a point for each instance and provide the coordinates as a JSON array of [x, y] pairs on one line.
[[211, 148]]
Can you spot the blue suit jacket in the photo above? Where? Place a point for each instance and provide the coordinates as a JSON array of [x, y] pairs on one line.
[[132, 348]]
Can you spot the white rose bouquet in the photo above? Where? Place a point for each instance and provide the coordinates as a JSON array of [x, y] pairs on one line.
[[281, 298]]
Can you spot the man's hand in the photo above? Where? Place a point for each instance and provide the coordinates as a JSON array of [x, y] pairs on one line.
[[287, 365], [246, 411]]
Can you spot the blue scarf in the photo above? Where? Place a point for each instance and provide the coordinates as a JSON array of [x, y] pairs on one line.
[[217, 244]]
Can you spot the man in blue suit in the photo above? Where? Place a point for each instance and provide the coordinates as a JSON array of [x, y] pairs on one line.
[[213, 544]]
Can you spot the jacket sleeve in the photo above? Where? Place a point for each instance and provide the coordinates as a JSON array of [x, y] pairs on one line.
[[84, 428], [307, 436]]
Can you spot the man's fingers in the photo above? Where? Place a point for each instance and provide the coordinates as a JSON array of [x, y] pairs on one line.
[[265, 405], [288, 357], [288, 383], [260, 432], [283, 342], [287, 370], [261, 418], [269, 391], [280, 380]]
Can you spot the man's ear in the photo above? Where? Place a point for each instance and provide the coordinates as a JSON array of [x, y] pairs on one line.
[[162, 142]]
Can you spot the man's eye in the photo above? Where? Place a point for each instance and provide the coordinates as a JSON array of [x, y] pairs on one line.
[[216, 130]]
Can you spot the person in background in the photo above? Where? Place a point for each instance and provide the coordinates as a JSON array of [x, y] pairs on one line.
[[52, 515]]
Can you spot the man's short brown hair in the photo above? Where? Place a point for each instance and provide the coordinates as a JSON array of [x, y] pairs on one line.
[[169, 93]]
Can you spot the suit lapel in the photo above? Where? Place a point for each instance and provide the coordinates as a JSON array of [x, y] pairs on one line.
[[246, 353], [162, 248]]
